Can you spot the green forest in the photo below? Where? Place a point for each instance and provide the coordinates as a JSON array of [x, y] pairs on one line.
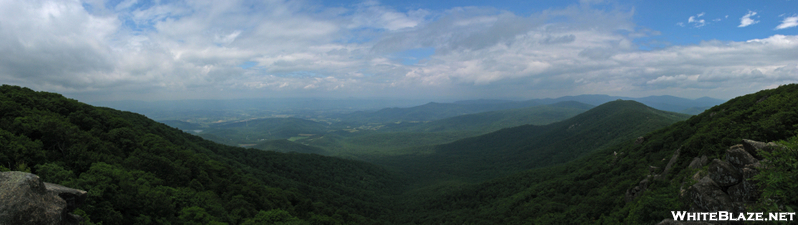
[[570, 163]]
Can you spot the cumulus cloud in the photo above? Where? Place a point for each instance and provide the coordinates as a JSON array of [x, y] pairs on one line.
[[196, 49], [788, 22], [746, 19]]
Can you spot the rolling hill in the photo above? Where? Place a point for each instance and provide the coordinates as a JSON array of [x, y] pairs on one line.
[[283, 145], [486, 122], [663, 102], [433, 111], [138, 171], [594, 189], [524, 147], [575, 171]]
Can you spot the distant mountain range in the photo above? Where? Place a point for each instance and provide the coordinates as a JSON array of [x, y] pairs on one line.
[[435, 111], [599, 187], [373, 110], [663, 102], [621, 162], [486, 122]]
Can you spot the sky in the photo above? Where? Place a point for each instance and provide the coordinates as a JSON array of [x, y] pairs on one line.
[[96, 50]]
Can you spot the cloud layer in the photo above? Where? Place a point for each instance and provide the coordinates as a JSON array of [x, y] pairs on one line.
[[233, 49]]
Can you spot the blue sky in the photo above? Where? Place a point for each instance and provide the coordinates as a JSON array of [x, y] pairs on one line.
[[97, 50]]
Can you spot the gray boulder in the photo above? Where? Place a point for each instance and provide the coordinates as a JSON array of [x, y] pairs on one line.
[[636, 191], [723, 173], [673, 160], [640, 140], [25, 199], [696, 163], [709, 197], [737, 156], [755, 147], [746, 190]]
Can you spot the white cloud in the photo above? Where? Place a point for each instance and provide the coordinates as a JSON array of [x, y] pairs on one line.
[[788, 23], [746, 19], [195, 49], [696, 21]]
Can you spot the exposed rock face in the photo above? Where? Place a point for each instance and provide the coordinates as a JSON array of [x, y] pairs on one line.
[[25, 199], [755, 147], [724, 173], [745, 191], [698, 162], [640, 140], [738, 157], [634, 192], [673, 160], [728, 186], [707, 195]]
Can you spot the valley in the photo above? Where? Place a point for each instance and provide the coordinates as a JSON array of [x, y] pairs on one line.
[[540, 164]]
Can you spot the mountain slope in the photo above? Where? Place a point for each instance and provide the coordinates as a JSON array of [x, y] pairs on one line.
[[513, 149], [571, 193], [664, 102], [136, 170], [486, 122], [433, 111], [283, 145]]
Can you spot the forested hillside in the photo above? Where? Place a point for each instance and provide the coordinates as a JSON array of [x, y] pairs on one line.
[[138, 171], [591, 190], [576, 171], [402, 137], [524, 147], [487, 122]]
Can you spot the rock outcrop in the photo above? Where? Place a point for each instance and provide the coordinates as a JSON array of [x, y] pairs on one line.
[[698, 162], [728, 185], [642, 186], [724, 173], [25, 199], [725, 185]]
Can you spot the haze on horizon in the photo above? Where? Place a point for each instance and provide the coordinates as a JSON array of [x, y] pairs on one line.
[[96, 50]]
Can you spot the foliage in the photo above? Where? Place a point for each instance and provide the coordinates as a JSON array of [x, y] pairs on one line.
[[591, 189], [432, 111], [779, 181], [511, 150], [138, 171], [283, 145]]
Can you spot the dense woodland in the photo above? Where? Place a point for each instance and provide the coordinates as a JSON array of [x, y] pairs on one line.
[[576, 171], [138, 171], [590, 190]]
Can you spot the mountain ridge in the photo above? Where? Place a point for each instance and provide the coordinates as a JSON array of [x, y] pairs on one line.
[[524, 147], [570, 193]]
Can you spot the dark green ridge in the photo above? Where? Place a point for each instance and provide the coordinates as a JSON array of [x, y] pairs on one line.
[[283, 145], [590, 190], [138, 171], [524, 147]]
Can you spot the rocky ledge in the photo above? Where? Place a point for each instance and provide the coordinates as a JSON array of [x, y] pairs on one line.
[[726, 185], [25, 199]]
